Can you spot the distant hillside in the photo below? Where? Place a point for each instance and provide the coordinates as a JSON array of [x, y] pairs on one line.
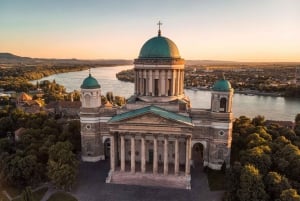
[[8, 58]]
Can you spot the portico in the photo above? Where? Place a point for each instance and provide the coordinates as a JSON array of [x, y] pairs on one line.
[[150, 144]]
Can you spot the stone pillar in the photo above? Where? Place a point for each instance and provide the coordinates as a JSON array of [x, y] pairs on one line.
[[122, 153], [187, 157], [143, 155], [112, 152], [135, 81], [182, 81], [138, 82], [155, 154], [177, 82], [132, 154], [163, 82], [173, 82], [176, 163], [159, 81], [150, 82], [166, 82], [166, 161]]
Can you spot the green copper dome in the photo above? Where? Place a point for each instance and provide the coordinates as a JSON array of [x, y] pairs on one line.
[[90, 83], [159, 47], [222, 85]]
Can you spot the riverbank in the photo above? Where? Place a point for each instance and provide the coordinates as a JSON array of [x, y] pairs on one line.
[[244, 92]]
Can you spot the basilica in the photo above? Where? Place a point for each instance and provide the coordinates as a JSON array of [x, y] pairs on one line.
[[157, 136]]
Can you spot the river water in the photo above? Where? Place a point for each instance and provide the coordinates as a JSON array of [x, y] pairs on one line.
[[275, 108]]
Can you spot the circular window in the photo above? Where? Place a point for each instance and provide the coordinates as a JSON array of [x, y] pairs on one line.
[[88, 126], [221, 133]]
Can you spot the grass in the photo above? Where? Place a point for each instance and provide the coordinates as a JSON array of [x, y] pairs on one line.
[[59, 196], [216, 179]]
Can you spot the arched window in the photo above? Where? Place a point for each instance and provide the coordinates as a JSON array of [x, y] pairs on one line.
[[223, 103], [87, 100]]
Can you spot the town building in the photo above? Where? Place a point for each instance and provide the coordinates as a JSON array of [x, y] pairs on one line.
[[157, 136]]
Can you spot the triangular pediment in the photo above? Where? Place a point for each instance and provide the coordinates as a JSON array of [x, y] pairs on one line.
[[151, 115]]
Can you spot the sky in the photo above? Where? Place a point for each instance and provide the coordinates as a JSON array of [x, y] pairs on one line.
[[232, 30]]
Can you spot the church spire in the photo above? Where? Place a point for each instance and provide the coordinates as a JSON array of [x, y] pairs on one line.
[[159, 31]]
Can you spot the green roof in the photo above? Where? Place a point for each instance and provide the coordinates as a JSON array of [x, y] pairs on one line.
[[159, 47], [90, 83], [155, 110], [222, 85]]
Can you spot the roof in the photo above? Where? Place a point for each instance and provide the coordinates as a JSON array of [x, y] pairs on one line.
[[24, 97], [155, 110], [222, 85], [90, 83], [159, 47]]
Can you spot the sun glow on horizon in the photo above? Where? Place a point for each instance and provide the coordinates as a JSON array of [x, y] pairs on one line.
[[233, 31]]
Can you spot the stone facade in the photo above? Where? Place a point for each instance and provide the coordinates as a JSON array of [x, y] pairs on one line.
[[157, 132]]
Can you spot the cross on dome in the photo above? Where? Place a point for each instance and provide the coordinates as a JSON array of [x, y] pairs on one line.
[[159, 24]]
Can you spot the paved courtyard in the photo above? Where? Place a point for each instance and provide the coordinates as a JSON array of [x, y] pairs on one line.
[[91, 186]]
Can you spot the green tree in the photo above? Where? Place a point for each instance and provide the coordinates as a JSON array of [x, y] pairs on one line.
[[258, 120], [62, 165], [251, 185], [233, 182], [289, 195], [258, 156], [275, 184]]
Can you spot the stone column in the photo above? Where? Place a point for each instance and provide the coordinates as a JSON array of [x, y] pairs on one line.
[[159, 83], [132, 154], [112, 152], [150, 83], [177, 82], [122, 153], [166, 161], [187, 157], [163, 82], [155, 154], [173, 82], [143, 154], [182, 81], [176, 168]]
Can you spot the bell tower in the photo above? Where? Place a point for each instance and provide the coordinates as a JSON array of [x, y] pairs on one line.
[[221, 96], [90, 97]]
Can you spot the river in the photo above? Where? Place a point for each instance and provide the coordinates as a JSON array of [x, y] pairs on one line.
[[275, 108]]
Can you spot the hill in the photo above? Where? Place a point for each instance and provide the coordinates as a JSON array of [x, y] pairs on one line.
[[11, 59]]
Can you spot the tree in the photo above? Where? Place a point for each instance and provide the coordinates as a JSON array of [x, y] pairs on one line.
[[289, 195], [62, 165], [233, 182], [251, 185], [110, 96], [258, 120], [259, 157], [275, 184], [6, 124], [297, 125]]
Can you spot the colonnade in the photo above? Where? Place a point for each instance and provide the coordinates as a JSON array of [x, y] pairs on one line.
[[113, 155], [166, 82]]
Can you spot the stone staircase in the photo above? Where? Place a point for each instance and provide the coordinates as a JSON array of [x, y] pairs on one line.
[[149, 179]]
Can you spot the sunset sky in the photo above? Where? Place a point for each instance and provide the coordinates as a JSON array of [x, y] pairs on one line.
[[236, 30]]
